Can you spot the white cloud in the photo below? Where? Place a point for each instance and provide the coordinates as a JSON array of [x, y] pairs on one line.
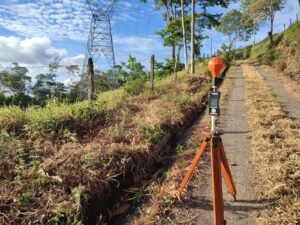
[[141, 47], [76, 60], [33, 51], [35, 54], [55, 19], [148, 44]]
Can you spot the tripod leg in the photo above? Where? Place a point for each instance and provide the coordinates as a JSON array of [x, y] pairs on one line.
[[217, 182], [192, 167], [226, 171]]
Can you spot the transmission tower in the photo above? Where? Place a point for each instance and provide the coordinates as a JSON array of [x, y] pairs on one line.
[[100, 42]]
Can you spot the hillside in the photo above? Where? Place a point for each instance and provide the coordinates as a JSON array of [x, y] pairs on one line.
[[68, 164], [284, 55]]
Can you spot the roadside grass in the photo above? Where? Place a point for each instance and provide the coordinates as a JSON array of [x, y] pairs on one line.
[[275, 152], [60, 164]]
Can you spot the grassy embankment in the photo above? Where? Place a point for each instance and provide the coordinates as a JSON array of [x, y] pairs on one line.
[[67, 163], [275, 153], [284, 55]]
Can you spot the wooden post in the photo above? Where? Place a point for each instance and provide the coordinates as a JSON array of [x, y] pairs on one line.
[[290, 22], [152, 60], [284, 26], [297, 17], [91, 87]]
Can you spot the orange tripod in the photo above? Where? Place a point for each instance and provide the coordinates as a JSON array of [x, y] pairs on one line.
[[219, 166]]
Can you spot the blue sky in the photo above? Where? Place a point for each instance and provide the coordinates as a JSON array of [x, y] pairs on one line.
[[32, 32]]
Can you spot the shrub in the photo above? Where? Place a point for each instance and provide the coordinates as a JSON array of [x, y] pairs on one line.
[[135, 87]]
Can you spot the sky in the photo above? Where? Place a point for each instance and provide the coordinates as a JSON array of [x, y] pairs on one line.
[[33, 32]]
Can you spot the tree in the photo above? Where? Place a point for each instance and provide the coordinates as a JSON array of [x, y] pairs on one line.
[[46, 86], [170, 13], [266, 10], [15, 81], [236, 25], [245, 6], [135, 69], [172, 36], [73, 70], [203, 19]]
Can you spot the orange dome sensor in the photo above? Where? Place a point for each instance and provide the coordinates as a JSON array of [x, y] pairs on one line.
[[215, 65]]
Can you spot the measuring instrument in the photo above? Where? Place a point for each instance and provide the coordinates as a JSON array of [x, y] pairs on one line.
[[219, 163]]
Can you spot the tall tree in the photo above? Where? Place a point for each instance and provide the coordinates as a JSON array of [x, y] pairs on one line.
[[237, 26], [170, 13], [266, 10], [203, 19]]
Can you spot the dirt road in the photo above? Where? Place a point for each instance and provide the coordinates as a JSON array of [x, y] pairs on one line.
[[233, 121], [198, 209]]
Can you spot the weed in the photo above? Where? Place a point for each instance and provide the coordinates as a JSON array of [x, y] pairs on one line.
[[151, 134], [168, 201], [60, 218], [89, 160], [118, 134], [25, 198], [179, 149]]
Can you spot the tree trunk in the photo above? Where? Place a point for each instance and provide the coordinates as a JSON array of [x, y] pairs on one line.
[[193, 39], [186, 61], [271, 31], [173, 53], [176, 62]]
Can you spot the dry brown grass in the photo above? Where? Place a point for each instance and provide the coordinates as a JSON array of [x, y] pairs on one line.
[[275, 151]]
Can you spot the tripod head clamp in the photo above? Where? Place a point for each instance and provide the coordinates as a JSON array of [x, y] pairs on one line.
[[215, 65]]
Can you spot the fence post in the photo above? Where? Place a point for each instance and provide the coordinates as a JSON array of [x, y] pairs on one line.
[[290, 22], [284, 26], [297, 17], [91, 87], [152, 60]]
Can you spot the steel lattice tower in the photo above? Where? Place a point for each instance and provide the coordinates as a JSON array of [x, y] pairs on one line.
[[100, 42]]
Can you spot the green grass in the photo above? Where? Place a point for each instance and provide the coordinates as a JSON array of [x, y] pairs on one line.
[[55, 118], [283, 54]]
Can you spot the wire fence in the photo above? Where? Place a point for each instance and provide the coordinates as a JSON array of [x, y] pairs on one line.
[[291, 22]]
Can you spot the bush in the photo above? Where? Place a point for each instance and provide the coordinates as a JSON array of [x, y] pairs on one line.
[[135, 87]]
